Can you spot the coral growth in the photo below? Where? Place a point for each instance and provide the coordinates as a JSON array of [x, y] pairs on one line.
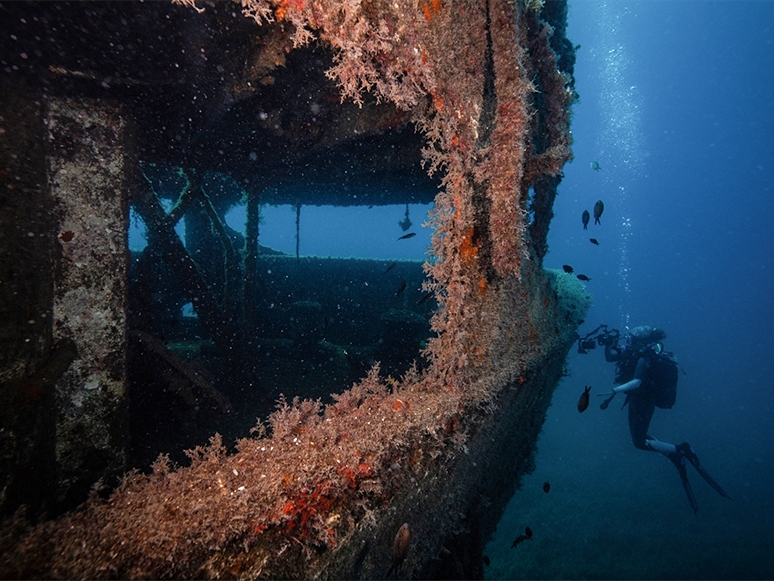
[[321, 473], [316, 476]]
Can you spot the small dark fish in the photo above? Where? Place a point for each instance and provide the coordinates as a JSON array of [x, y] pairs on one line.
[[526, 536], [407, 236], [585, 217], [567, 268], [583, 402], [599, 207], [401, 288], [486, 560], [400, 549], [594, 165], [594, 241], [426, 298], [546, 486], [584, 277], [389, 268]]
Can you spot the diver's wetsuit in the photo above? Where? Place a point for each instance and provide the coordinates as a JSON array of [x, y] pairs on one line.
[[642, 403]]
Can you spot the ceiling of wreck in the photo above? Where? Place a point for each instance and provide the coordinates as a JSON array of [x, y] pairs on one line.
[[215, 92]]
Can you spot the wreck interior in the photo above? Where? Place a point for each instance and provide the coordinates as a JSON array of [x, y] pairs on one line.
[[414, 377], [303, 326]]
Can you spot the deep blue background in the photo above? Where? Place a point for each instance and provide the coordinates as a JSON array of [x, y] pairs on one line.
[[677, 106]]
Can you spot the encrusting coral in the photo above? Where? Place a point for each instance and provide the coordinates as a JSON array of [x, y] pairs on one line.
[[467, 72]]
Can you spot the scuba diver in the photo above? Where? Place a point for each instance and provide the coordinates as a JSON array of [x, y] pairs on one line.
[[647, 375]]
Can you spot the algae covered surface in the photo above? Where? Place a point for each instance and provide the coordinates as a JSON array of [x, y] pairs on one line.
[[383, 378]]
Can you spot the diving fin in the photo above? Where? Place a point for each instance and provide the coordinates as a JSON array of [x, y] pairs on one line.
[[687, 451], [679, 461]]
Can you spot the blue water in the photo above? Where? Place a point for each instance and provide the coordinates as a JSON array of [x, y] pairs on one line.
[[365, 232], [677, 108]]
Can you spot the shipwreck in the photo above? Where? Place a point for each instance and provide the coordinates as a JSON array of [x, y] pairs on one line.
[[178, 112]]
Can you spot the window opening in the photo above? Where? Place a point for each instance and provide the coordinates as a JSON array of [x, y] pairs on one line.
[[274, 274]]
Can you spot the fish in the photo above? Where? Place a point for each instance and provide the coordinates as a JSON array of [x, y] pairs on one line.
[[567, 268], [526, 536], [426, 298], [486, 560], [546, 486], [585, 217], [407, 236], [400, 549], [583, 402], [389, 268], [405, 224], [594, 241], [401, 288], [599, 207], [584, 278], [595, 166]]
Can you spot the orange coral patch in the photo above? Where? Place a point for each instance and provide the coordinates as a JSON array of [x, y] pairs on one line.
[[399, 405], [468, 250], [438, 102], [259, 528], [430, 8]]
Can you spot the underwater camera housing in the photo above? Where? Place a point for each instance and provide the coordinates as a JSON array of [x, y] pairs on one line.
[[601, 336]]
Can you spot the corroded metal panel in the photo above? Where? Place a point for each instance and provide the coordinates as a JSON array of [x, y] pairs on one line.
[[86, 165]]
